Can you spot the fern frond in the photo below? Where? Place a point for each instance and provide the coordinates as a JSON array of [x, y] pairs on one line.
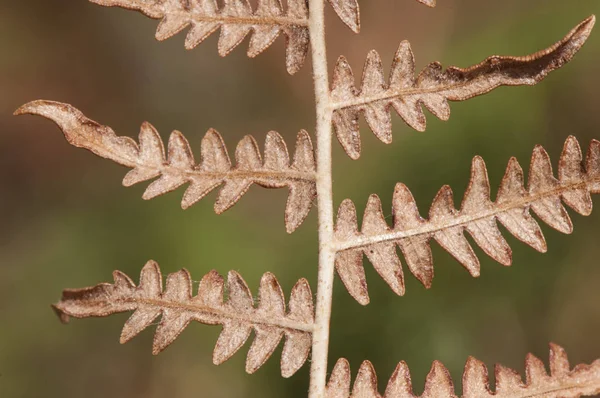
[[236, 18], [563, 382], [477, 215], [178, 308], [433, 87], [178, 167]]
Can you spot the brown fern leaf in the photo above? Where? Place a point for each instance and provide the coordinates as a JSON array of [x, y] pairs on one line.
[[433, 87], [563, 382], [477, 215], [178, 308], [349, 12], [178, 167], [236, 19]]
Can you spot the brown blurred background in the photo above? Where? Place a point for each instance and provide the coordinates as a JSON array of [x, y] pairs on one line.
[[67, 222]]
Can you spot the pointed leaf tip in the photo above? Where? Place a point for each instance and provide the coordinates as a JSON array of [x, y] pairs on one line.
[[348, 11], [64, 115], [174, 166], [42, 108], [23, 109], [63, 318], [584, 29]]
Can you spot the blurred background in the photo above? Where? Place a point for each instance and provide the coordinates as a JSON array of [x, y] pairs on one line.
[[68, 222]]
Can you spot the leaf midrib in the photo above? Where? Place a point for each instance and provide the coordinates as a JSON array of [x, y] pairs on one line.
[[462, 220]]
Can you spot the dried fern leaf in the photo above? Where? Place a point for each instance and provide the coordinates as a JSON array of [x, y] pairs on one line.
[[236, 18], [238, 315], [563, 382], [478, 216], [178, 167], [433, 87]]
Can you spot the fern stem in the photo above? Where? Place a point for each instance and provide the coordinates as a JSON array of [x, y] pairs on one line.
[[320, 343]]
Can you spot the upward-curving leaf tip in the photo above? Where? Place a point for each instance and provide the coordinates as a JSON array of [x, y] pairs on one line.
[[174, 166]]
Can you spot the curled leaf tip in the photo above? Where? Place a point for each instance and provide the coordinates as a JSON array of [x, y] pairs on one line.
[[22, 110], [63, 318], [37, 107], [173, 165]]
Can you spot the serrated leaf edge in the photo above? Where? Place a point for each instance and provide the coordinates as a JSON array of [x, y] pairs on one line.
[[563, 382], [544, 195], [179, 307], [432, 87], [176, 166]]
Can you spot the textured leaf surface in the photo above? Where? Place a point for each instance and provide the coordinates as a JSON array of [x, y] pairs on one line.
[[562, 382], [349, 13], [177, 166], [478, 216], [433, 87], [236, 18], [238, 315]]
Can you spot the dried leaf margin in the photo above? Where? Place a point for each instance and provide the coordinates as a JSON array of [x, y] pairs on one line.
[[238, 315], [433, 87], [563, 382], [478, 215], [148, 160]]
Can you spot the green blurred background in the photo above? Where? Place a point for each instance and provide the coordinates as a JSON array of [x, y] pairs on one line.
[[68, 222]]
